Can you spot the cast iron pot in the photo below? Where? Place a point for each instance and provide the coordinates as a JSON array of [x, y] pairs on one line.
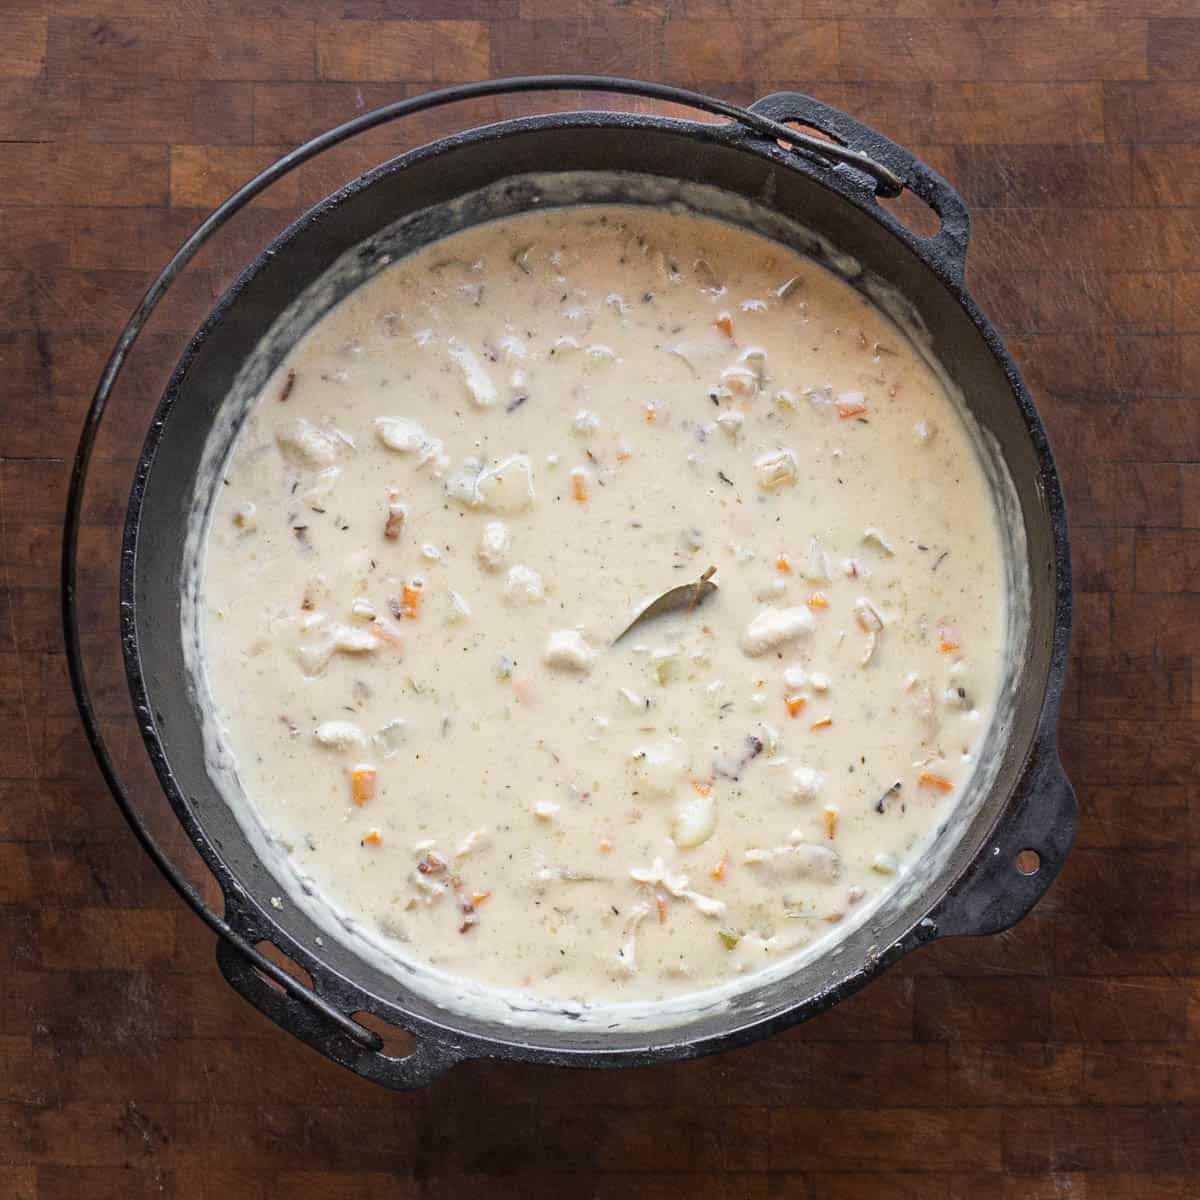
[[985, 879]]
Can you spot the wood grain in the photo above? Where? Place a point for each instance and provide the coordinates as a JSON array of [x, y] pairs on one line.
[[1059, 1059]]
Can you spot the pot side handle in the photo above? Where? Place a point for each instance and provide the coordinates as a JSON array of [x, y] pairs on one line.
[[1019, 861], [428, 1060], [947, 247]]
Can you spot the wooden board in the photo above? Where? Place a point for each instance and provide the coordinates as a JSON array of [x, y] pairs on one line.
[[1060, 1059]]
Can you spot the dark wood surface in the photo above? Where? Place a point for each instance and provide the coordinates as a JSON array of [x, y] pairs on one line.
[[1061, 1059]]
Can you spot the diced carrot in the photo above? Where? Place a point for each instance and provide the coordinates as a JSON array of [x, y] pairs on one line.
[[929, 779], [725, 324], [479, 897], [605, 845], [579, 485], [410, 602], [362, 784], [661, 905], [783, 564], [948, 640], [818, 600], [831, 821], [718, 872], [850, 408], [833, 918], [795, 705], [702, 786], [624, 453], [823, 723], [372, 838], [651, 411]]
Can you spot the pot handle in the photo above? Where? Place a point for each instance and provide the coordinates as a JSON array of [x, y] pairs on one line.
[[946, 248], [1019, 861], [328, 1033]]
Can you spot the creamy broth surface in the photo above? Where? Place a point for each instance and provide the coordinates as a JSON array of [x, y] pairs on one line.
[[464, 483]]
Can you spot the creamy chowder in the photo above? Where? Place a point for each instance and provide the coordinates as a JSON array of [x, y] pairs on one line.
[[468, 479]]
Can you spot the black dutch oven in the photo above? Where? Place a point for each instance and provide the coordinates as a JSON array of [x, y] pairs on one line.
[[991, 864]]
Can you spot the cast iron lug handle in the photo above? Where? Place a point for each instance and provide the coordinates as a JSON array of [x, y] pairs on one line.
[[948, 247], [328, 1032], [995, 893]]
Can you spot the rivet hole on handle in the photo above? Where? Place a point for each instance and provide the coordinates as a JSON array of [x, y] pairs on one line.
[[1028, 862], [913, 213], [284, 963], [397, 1042]]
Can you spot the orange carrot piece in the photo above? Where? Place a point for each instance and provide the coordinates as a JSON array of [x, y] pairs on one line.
[[795, 705], [372, 838], [651, 411], [823, 723], [831, 821], [410, 602], [725, 324], [929, 779], [661, 905], [479, 897], [579, 486], [605, 845], [362, 784], [782, 563], [624, 453], [850, 408], [948, 640], [818, 600], [718, 872], [702, 786]]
